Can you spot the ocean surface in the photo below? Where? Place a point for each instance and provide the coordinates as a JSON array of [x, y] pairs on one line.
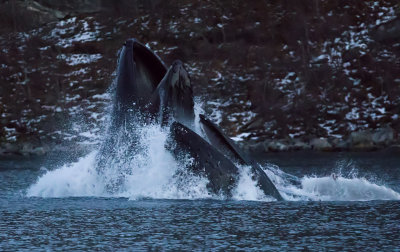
[[334, 201]]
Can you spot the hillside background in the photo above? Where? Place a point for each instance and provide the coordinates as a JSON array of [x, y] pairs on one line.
[[275, 75]]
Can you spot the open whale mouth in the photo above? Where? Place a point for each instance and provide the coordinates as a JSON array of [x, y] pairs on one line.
[[166, 97], [139, 73], [142, 55], [147, 93]]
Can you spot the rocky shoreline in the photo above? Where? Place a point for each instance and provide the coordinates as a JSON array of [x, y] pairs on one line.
[[365, 140], [358, 141], [15, 150]]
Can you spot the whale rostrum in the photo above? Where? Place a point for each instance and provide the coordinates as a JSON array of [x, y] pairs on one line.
[[148, 92]]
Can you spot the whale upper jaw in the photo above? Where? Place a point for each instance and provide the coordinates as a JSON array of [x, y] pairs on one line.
[[179, 98], [173, 98], [138, 74]]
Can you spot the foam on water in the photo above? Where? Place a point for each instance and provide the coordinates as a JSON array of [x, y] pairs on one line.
[[156, 174], [346, 189], [150, 171], [247, 188], [75, 179], [328, 188]]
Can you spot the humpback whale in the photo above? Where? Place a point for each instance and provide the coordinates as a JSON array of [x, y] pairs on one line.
[[138, 74], [208, 161], [225, 145], [147, 92], [173, 97]]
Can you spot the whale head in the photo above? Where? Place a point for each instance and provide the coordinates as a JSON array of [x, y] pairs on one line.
[[138, 74], [176, 94], [179, 77]]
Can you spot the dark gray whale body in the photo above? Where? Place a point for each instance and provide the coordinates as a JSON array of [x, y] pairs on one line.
[[208, 161], [148, 92], [173, 97], [146, 87], [225, 145], [139, 72]]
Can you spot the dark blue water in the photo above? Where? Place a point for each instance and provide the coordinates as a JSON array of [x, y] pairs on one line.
[[100, 223]]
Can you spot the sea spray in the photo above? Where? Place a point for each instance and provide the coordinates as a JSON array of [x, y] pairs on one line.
[[155, 174], [70, 180], [141, 167], [346, 189], [247, 188], [151, 172], [334, 187]]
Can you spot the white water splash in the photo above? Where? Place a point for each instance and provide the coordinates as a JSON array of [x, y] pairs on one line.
[[247, 188], [345, 189], [153, 172], [329, 188], [73, 180]]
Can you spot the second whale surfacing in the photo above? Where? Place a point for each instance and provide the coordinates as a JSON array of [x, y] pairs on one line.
[[147, 92], [173, 97]]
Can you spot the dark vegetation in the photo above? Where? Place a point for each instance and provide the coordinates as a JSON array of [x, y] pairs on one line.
[[280, 75]]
